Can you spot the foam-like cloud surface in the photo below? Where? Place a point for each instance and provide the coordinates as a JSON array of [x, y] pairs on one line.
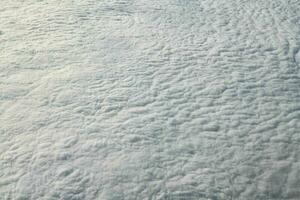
[[169, 99]]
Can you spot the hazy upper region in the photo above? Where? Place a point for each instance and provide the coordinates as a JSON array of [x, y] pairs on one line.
[[150, 100]]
